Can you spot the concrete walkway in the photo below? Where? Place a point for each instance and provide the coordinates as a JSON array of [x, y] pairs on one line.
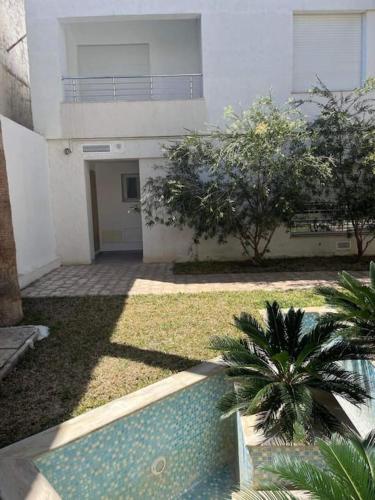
[[134, 278], [14, 342]]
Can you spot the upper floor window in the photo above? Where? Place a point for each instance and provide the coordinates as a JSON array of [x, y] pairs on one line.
[[328, 46]]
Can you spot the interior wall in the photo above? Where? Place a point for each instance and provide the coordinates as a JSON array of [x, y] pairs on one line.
[[28, 178], [124, 59], [120, 227], [174, 44]]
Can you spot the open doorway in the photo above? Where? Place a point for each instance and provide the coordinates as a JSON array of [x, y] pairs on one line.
[[115, 204]]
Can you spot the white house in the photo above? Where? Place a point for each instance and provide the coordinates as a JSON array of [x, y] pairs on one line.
[[113, 80]]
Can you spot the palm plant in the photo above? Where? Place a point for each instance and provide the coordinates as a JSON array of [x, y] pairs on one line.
[[348, 473], [283, 374], [354, 304]]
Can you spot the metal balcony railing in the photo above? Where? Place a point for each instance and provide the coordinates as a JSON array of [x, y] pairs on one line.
[[132, 88]]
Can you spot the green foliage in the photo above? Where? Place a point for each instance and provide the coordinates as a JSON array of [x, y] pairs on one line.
[[283, 374], [344, 134], [354, 304], [242, 181], [348, 473]]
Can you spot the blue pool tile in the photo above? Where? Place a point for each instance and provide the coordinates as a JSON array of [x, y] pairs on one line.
[[115, 462]]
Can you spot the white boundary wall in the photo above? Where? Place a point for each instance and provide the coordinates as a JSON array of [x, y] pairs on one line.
[[26, 158]]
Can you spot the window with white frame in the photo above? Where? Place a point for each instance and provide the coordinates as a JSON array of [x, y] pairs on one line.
[[328, 46], [130, 187]]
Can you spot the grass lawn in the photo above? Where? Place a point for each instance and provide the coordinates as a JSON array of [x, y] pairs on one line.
[[337, 263], [101, 348]]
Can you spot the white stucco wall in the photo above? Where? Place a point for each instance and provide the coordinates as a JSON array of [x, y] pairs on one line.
[[132, 119], [70, 193], [28, 177], [247, 47]]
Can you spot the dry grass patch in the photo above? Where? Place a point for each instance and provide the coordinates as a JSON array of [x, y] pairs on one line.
[[101, 348]]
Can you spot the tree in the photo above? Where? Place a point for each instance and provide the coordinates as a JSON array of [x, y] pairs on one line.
[[283, 373], [348, 473], [10, 296], [344, 134], [354, 305], [242, 182]]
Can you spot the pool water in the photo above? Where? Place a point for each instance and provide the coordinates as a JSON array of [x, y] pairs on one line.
[[310, 320]]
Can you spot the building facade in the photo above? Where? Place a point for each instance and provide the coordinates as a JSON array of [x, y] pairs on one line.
[[15, 102], [113, 81]]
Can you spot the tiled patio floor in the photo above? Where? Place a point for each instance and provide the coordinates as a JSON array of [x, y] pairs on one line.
[[131, 278]]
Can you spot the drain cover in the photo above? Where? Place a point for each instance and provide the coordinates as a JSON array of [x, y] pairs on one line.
[[158, 466]]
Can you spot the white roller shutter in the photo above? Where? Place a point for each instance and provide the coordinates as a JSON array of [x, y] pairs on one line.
[[330, 46]]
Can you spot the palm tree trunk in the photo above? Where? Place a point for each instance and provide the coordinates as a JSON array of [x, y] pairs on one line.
[[10, 295]]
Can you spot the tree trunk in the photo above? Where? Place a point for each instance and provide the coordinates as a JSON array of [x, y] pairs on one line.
[[10, 295], [359, 242]]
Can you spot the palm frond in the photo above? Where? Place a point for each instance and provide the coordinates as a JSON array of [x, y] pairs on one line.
[[372, 274], [313, 342], [250, 494], [229, 404], [228, 344], [366, 449], [252, 329], [348, 282], [344, 460], [308, 477], [293, 326], [262, 397], [355, 305], [369, 441], [325, 422], [276, 329]]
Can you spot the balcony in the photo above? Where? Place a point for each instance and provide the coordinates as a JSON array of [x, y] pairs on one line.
[[127, 77], [133, 88]]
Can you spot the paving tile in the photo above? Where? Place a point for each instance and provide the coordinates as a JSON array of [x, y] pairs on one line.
[[131, 278]]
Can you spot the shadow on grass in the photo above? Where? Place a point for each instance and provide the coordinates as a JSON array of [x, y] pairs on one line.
[[150, 357], [49, 383]]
